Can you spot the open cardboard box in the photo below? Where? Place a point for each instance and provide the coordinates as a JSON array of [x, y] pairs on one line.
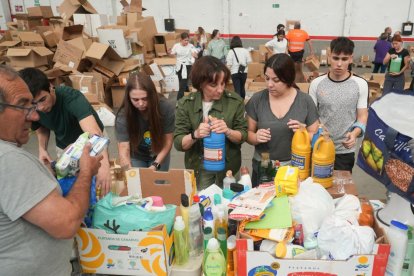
[[136, 253], [250, 262]]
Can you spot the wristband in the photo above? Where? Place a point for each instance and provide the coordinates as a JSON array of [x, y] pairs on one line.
[[359, 125], [193, 135]]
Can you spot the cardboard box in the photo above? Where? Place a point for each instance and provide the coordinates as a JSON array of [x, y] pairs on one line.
[[40, 11], [154, 71], [132, 17], [33, 57], [136, 253], [256, 86], [26, 23], [31, 39], [312, 63], [255, 54], [68, 55], [10, 44], [57, 24], [116, 39], [71, 32], [162, 42], [106, 57], [149, 29], [255, 69], [49, 36], [263, 53], [69, 7], [91, 22], [165, 61], [133, 6], [58, 76], [118, 94], [303, 86], [90, 84], [81, 43]]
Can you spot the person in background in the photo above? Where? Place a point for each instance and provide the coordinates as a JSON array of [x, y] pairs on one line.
[[278, 44], [396, 80], [388, 32], [37, 224], [216, 47], [381, 48], [411, 51], [185, 53], [144, 126], [67, 112], [342, 100], [296, 48], [238, 56], [200, 41], [279, 27], [274, 114], [210, 109]]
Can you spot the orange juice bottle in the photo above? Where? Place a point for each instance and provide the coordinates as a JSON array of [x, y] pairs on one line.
[[301, 152], [323, 159]]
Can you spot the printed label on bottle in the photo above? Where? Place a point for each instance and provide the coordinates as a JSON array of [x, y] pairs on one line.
[[298, 161], [323, 171], [213, 154]]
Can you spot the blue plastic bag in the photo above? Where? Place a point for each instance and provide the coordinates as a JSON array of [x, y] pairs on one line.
[[119, 215]]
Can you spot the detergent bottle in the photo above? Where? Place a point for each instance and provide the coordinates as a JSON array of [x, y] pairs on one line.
[[301, 152], [323, 159], [214, 151]]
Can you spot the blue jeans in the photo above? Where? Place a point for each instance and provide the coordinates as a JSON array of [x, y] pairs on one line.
[[165, 165]]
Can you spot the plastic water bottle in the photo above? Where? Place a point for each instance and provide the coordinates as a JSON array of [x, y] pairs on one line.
[[214, 152], [397, 235], [195, 231], [180, 241], [228, 180], [245, 179]]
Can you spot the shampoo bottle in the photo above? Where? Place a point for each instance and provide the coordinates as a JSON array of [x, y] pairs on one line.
[[214, 262]]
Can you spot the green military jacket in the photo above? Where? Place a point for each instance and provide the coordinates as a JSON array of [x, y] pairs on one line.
[[189, 115]]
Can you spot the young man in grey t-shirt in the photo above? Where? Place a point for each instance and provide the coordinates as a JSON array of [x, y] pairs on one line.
[[342, 99]]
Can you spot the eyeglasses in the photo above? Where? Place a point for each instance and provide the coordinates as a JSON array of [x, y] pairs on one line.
[[28, 110]]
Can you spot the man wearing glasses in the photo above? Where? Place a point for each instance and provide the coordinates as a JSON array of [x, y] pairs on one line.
[[66, 112], [36, 222]]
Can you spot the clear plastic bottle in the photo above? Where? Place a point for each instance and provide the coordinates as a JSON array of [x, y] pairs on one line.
[[398, 237], [220, 222], [245, 179], [214, 263], [231, 247], [180, 241], [228, 180], [195, 230], [265, 168]]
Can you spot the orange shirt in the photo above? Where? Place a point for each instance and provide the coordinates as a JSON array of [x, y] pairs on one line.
[[296, 39]]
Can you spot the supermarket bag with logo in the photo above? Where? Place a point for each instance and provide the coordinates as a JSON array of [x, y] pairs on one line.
[[387, 149], [119, 215]]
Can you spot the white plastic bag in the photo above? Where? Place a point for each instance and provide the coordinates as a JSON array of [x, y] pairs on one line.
[[310, 206], [338, 239], [106, 116], [348, 207]]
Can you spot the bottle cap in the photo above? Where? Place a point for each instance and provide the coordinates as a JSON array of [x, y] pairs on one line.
[[157, 201], [217, 199], [281, 250], [184, 200], [236, 187], [399, 225], [231, 242], [196, 199], [179, 223], [221, 232], [207, 231], [213, 244], [228, 194], [208, 215]]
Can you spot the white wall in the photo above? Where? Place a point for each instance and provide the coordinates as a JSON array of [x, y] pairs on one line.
[[356, 18]]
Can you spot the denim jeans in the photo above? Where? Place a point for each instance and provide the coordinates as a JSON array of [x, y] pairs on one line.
[[239, 81], [392, 83]]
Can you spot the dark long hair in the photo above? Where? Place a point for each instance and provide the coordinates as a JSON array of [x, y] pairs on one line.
[[284, 68], [143, 82]]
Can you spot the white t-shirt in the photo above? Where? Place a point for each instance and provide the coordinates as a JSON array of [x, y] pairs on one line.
[[206, 108], [183, 54], [278, 46], [244, 58]]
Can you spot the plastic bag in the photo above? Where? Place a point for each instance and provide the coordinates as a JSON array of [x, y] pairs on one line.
[[338, 239], [120, 215], [348, 207], [311, 206]]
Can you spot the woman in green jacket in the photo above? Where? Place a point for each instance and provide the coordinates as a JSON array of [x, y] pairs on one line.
[[194, 121]]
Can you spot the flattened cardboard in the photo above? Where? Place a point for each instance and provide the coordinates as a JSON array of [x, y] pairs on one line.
[[106, 57], [10, 43]]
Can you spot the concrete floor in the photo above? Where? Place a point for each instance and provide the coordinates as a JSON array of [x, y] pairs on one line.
[[367, 186]]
